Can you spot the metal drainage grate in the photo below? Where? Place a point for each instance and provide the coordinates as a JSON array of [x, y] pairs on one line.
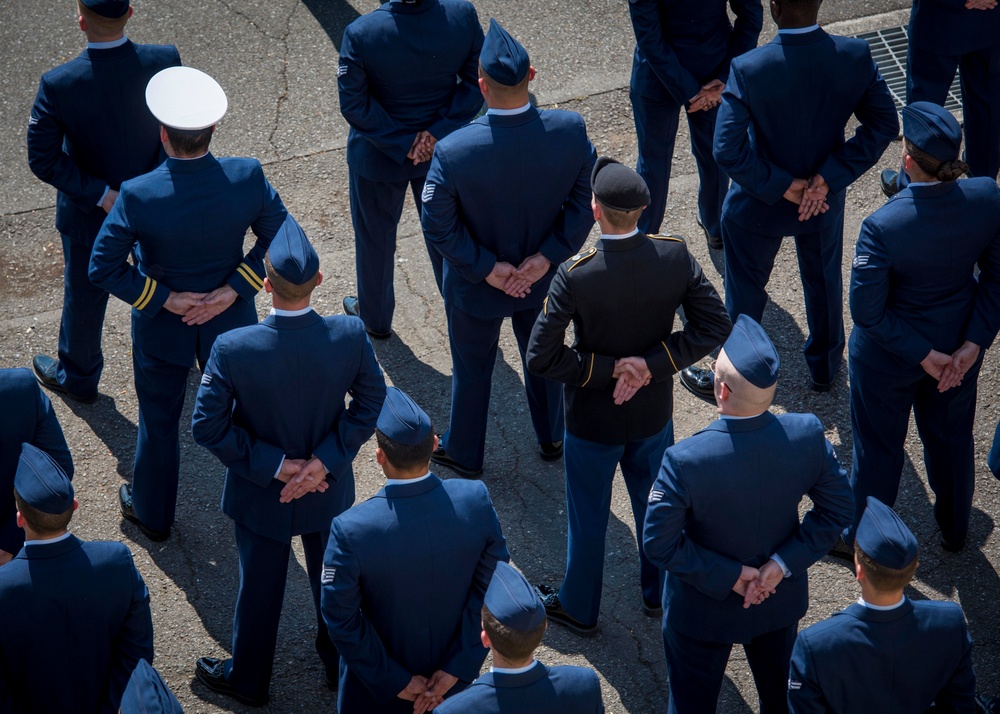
[[889, 48]]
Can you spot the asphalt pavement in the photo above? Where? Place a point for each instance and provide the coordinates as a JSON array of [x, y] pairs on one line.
[[277, 61]]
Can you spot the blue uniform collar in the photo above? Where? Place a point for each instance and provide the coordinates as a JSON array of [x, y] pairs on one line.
[[107, 45], [291, 313], [792, 37], [928, 190], [508, 112], [516, 679], [509, 120], [291, 321], [409, 8], [799, 30], [175, 165], [50, 549], [869, 615], [739, 425], [407, 490]]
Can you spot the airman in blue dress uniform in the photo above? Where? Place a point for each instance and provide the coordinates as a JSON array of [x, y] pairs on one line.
[[192, 281], [513, 625], [886, 653], [780, 137], [723, 521], [921, 323], [507, 199], [407, 78], [287, 444], [90, 130], [405, 574], [75, 616]]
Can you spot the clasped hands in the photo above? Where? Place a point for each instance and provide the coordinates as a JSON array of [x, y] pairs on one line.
[[302, 476], [809, 195], [422, 149], [949, 370], [980, 4], [632, 374], [708, 98], [517, 282], [427, 693], [199, 308], [756, 585]]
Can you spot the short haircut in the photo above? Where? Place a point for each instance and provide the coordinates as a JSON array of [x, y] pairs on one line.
[[880, 577], [515, 645], [189, 142], [621, 220], [285, 289], [42, 523], [406, 457], [505, 91], [102, 26], [941, 170]]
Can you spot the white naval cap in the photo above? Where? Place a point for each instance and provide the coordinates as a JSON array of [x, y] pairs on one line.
[[185, 98]]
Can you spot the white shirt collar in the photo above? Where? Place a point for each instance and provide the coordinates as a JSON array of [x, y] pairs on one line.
[[291, 313], [107, 45], [64, 536], [798, 30], [736, 418], [923, 183], [403, 481], [619, 236], [861, 601], [515, 670], [189, 158], [509, 112]]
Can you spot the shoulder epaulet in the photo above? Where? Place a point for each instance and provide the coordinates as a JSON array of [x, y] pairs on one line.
[[666, 236], [580, 258]]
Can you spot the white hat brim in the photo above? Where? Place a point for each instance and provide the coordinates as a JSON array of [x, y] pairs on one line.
[[185, 98]]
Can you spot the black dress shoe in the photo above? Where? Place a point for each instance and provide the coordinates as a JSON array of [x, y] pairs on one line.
[[440, 456], [714, 242], [350, 305], [128, 513], [651, 610], [550, 450], [820, 387], [332, 683], [700, 382], [888, 181], [211, 672], [555, 612], [46, 369], [841, 550], [953, 546]]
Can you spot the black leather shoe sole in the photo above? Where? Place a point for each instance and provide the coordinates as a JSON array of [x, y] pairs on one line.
[[128, 513], [550, 450], [555, 612], [350, 305], [45, 372], [210, 672], [953, 547], [694, 380], [714, 242], [888, 181], [652, 610], [842, 551], [440, 457]]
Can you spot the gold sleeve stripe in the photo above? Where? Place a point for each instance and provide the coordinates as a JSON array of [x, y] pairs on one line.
[[147, 294], [251, 277], [591, 372], [545, 305], [674, 364]]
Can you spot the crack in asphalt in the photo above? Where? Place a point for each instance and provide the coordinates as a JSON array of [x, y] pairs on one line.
[[283, 78]]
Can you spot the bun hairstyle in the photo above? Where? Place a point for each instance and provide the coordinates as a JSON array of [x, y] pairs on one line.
[[940, 170]]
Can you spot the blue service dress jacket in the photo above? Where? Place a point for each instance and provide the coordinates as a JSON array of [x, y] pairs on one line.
[[276, 390], [27, 418], [80, 147], [406, 68], [779, 121], [185, 242], [502, 189], [404, 578], [892, 661], [75, 622], [946, 27], [728, 496], [540, 690]]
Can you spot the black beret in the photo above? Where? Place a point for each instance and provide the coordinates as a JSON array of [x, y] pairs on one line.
[[617, 186]]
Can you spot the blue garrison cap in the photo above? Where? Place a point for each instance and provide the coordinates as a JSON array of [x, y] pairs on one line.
[[884, 537], [932, 129], [503, 58], [42, 483], [147, 693], [107, 8], [401, 419], [291, 253], [752, 353], [512, 601]]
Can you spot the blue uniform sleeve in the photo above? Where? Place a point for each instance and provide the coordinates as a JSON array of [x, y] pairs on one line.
[[47, 159], [652, 44], [832, 511], [467, 100], [365, 115], [576, 218], [134, 641], [669, 548], [355, 637], [746, 31], [466, 656], [959, 693], [760, 178], [441, 220], [804, 693], [879, 125], [212, 426], [49, 435], [985, 320], [871, 280], [356, 425], [109, 266], [248, 278]]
